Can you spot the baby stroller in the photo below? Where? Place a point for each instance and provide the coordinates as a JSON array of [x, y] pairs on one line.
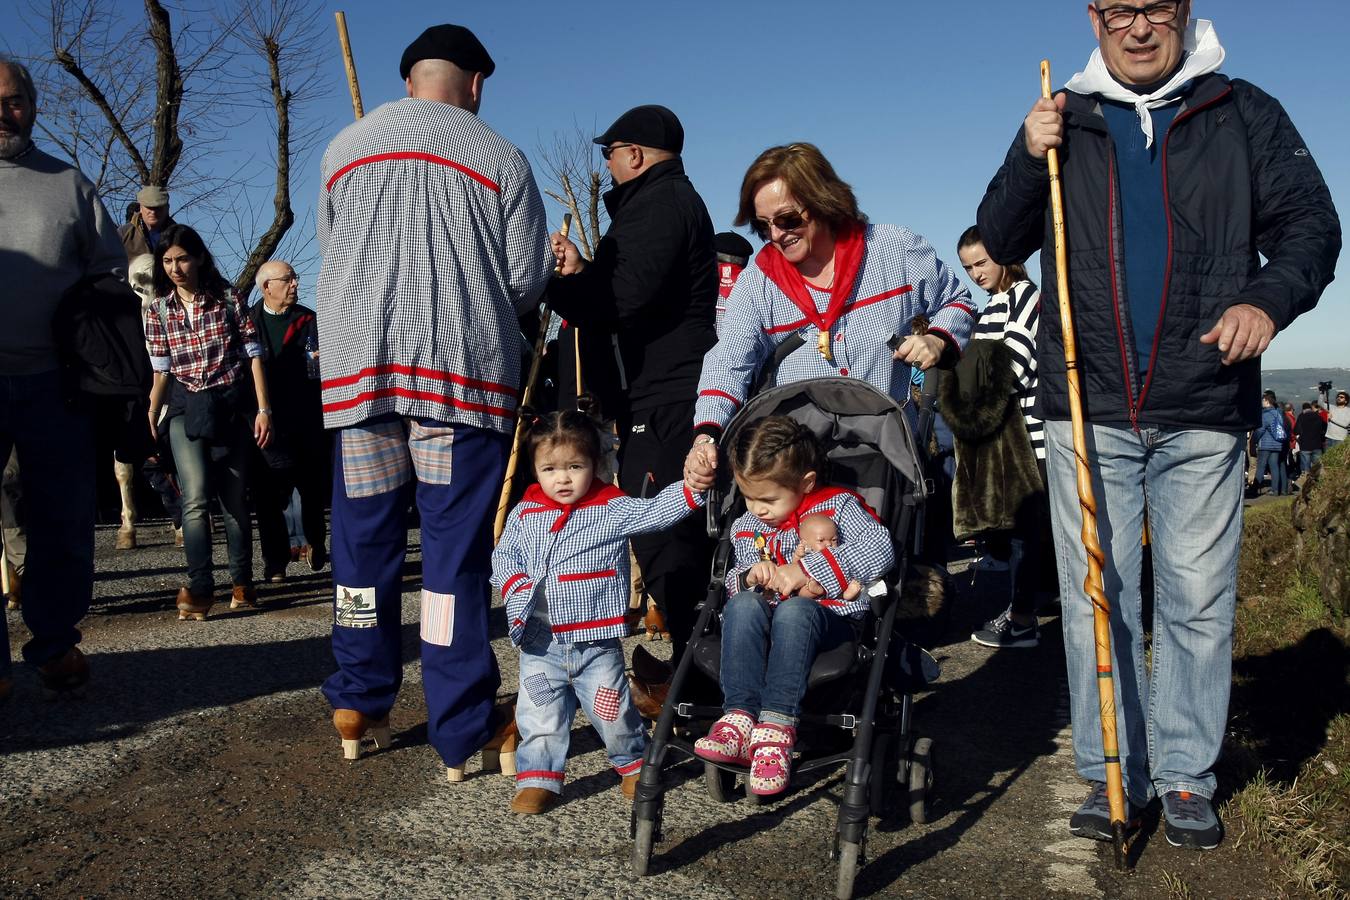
[[858, 705]]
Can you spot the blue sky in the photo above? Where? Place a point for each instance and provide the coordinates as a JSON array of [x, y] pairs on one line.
[[914, 103]]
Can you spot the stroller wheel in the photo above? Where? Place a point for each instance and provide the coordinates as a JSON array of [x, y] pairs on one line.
[[849, 855], [721, 785], [643, 837], [920, 780]]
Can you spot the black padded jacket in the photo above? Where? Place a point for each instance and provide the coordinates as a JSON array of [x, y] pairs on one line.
[[1238, 181]]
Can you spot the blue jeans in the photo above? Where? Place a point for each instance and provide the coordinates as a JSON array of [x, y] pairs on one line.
[[1171, 716], [199, 476], [1272, 461], [1308, 457], [56, 473], [767, 653], [554, 679]]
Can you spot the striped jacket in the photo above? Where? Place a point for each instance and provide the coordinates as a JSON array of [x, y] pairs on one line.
[[865, 552], [579, 555], [1013, 317], [433, 239], [901, 277]]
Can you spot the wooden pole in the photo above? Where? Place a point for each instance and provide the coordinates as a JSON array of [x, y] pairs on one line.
[[350, 63], [576, 355], [512, 462], [1087, 502]]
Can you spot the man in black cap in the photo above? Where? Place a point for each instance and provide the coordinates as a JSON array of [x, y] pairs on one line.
[[733, 255], [653, 282], [434, 241]]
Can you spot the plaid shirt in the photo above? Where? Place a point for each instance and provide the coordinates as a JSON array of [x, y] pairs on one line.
[[434, 240], [865, 552], [901, 277], [210, 351], [579, 555]]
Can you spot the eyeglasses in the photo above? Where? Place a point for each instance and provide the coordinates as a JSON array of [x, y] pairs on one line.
[[289, 279], [1119, 18], [607, 152], [788, 221]]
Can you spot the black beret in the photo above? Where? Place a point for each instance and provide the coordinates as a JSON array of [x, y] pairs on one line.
[[453, 43], [729, 243], [651, 126]]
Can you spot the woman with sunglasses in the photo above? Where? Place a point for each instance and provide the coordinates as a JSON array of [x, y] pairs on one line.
[[849, 290]]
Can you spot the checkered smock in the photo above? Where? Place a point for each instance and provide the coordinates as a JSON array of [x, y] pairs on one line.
[[901, 277], [864, 554], [209, 353], [433, 239], [583, 567]]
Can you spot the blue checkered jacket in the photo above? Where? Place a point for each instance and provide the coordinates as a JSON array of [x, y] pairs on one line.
[[901, 277], [434, 240], [865, 552], [579, 555]]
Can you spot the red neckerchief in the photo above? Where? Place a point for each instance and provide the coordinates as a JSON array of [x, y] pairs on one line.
[[297, 324], [849, 250], [599, 494], [814, 499]]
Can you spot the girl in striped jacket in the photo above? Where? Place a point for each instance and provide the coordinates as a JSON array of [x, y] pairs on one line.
[[562, 569], [790, 609]]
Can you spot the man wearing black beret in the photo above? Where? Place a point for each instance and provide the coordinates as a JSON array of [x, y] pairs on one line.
[[653, 282], [434, 241]]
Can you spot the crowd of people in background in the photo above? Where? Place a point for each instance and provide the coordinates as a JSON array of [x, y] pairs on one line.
[[400, 390]]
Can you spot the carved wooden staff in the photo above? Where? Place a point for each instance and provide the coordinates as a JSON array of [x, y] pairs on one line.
[[1101, 607], [350, 63], [526, 396]]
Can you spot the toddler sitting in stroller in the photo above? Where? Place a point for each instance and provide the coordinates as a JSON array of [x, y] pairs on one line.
[[784, 610]]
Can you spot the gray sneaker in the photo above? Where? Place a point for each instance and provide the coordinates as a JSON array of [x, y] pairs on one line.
[[1004, 632], [1189, 821], [1093, 819]]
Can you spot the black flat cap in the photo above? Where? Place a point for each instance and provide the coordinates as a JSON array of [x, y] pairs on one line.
[[651, 126], [453, 43], [731, 244]]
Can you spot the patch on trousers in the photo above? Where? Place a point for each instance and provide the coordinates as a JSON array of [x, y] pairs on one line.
[[540, 691], [438, 618], [606, 704], [431, 448], [355, 607]]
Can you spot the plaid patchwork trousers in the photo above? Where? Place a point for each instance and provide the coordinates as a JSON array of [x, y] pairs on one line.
[[454, 474]]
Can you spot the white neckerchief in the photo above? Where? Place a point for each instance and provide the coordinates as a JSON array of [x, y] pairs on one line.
[[1203, 54]]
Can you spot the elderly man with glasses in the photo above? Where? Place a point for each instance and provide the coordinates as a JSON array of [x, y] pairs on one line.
[[1177, 181], [653, 283], [297, 457]]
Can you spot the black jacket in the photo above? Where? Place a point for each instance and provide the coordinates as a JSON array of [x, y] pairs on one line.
[[1238, 181], [298, 437], [653, 282]]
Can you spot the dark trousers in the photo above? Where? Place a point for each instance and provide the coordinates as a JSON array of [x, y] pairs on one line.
[[676, 563], [55, 447], [272, 489], [1034, 575]]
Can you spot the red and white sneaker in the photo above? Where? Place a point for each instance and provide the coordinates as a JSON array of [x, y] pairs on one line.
[[771, 760], [728, 740]]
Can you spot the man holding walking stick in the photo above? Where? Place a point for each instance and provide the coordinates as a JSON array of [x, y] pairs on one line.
[[434, 241], [1174, 179]]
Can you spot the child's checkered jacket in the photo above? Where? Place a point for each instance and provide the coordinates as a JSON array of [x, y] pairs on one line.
[[581, 554]]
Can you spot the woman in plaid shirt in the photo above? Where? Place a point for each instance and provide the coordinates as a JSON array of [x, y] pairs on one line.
[[198, 332]]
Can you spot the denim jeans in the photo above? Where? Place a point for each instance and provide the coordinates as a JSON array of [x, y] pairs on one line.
[[55, 448], [199, 476], [767, 653], [1272, 461], [556, 678], [1170, 717], [1308, 457]]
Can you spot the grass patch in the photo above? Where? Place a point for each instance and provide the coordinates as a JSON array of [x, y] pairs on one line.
[[1289, 744]]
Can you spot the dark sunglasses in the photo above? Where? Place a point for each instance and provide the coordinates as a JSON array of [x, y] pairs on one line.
[[788, 221], [607, 152]]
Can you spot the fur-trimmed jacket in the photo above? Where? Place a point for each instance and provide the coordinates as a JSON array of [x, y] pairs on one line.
[[996, 474]]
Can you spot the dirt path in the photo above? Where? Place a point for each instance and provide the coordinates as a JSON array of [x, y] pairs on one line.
[[202, 763]]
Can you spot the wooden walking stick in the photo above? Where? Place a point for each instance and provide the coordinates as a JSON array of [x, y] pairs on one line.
[[350, 63], [526, 396], [1101, 607]]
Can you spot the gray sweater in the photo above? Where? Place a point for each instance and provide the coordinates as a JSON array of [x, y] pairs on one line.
[[53, 232]]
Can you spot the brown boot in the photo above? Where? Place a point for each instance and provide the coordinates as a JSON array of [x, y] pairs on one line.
[[244, 597], [649, 683], [192, 606], [67, 674], [629, 785], [126, 538], [15, 588], [533, 801], [352, 726], [499, 753]]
